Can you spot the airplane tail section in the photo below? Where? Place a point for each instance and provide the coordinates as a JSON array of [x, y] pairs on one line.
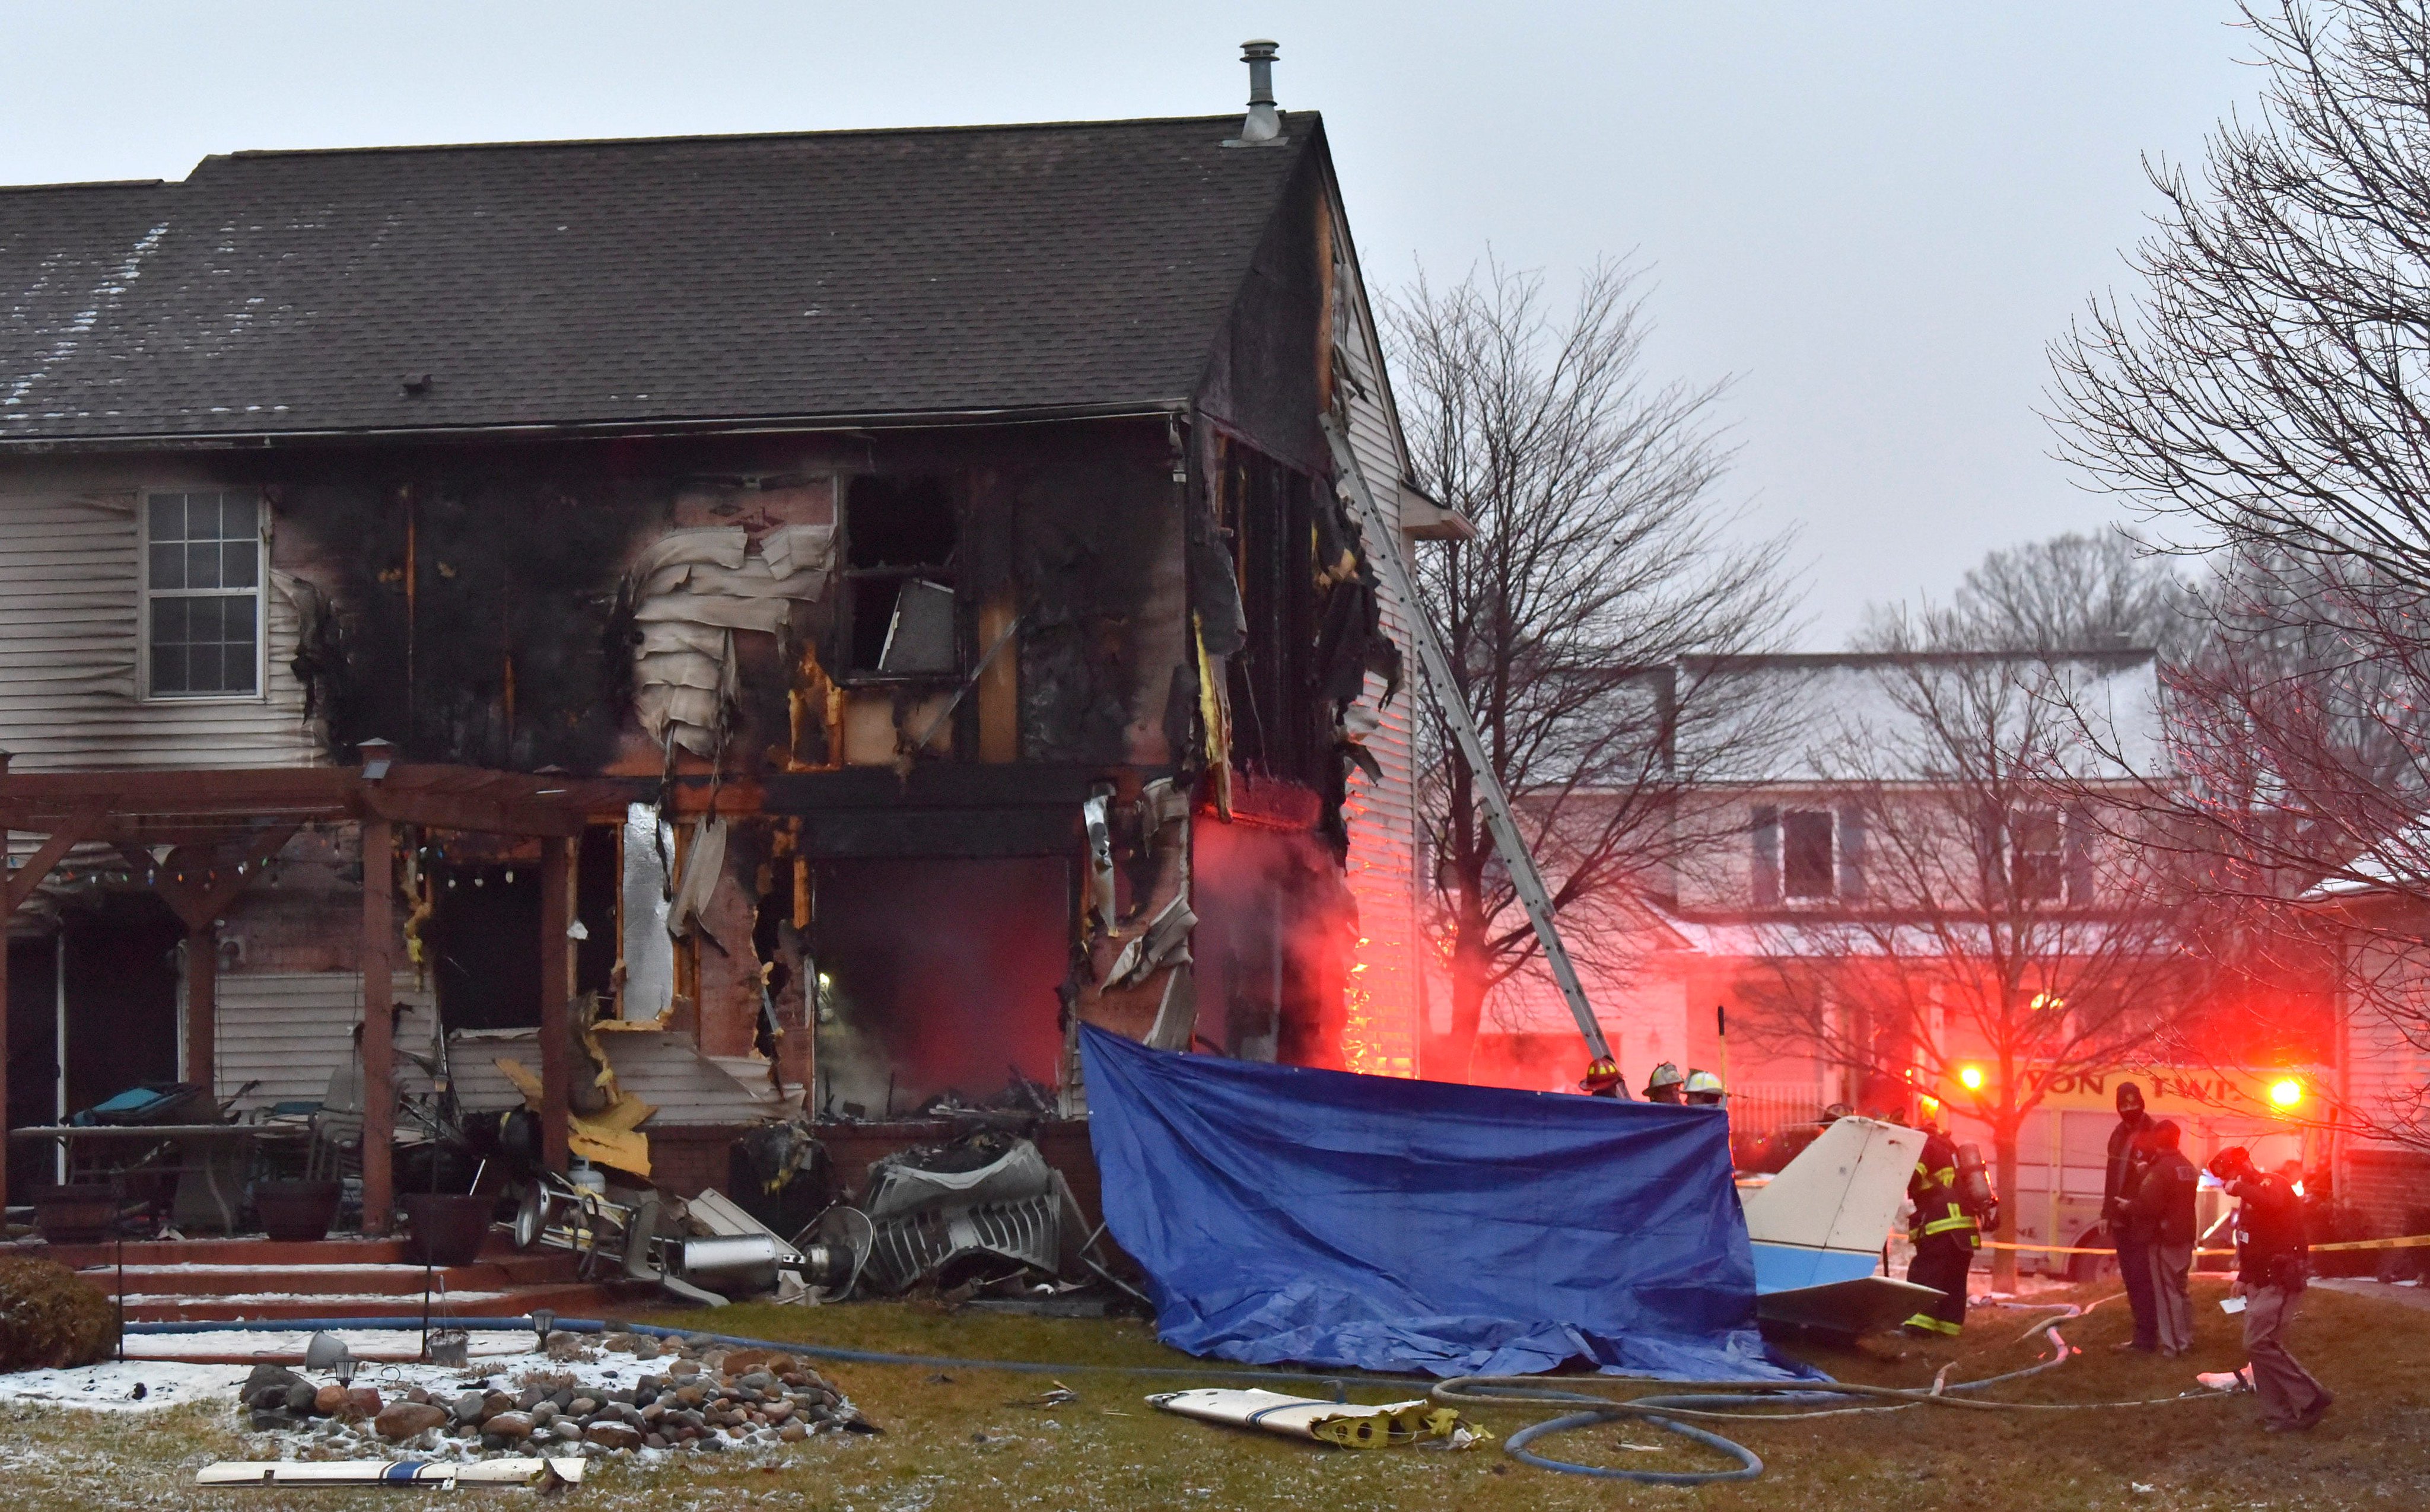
[[1818, 1227]]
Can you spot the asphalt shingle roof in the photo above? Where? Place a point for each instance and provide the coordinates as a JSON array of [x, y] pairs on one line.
[[858, 275]]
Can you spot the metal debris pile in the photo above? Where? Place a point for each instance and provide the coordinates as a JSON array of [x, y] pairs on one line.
[[707, 1398]]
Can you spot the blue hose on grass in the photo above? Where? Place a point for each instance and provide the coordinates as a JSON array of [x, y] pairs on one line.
[[1725, 1400]]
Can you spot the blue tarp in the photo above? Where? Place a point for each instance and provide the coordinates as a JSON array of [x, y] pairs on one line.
[[1285, 1214]]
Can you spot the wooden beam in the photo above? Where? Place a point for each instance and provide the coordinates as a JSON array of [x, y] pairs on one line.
[[470, 811], [72, 832], [556, 984], [379, 1085]]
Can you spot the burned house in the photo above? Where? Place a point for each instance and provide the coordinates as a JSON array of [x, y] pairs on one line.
[[753, 624]]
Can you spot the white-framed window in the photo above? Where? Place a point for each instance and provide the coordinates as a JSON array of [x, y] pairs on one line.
[[202, 629]]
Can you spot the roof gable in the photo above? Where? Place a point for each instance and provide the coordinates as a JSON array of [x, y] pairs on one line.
[[1049, 269]]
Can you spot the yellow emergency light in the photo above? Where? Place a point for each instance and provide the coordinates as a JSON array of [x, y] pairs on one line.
[[1971, 1076], [2286, 1092]]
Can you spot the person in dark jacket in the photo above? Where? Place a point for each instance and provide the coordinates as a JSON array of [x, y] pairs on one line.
[[1945, 1235], [2272, 1262], [2125, 1174], [2160, 1214]]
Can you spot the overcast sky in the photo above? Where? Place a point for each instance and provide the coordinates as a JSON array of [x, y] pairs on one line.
[[1875, 215]]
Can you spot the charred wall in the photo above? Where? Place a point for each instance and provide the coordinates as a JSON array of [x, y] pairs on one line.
[[491, 605]]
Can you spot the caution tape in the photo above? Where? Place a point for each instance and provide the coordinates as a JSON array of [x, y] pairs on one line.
[[2411, 1241], [2068, 1248]]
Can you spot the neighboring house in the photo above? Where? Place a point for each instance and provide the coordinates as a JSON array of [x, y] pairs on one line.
[[895, 580], [2382, 1095], [1792, 866]]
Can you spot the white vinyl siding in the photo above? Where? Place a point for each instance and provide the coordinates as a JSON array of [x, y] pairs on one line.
[[1383, 816], [286, 1031], [70, 608]]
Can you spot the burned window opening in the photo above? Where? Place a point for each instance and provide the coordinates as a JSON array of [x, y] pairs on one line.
[[1266, 509], [935, 977], [902, 541]]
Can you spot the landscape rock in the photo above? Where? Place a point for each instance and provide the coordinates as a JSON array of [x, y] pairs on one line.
[[509, 1425], [266, 1378], [614, 1436], [469, 1407], [365, 1401], [329, 1401], [405, 1419]]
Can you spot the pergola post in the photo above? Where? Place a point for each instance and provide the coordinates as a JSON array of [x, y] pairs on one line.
[[556, 985], [202, 1005], [9, 896], [379, 1083]]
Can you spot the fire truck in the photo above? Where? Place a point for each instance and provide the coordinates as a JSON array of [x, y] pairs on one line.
[[2063, 1147]]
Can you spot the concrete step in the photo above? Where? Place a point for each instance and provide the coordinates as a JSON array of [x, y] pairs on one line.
[[244, 1251], [215, 1279]]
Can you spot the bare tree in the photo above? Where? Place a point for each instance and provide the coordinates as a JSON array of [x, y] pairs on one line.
[[2262, 398], [1602, 556], [2072, 592], [1998, 938]]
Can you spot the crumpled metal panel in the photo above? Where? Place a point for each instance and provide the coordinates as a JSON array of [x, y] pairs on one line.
[[925, 1218]]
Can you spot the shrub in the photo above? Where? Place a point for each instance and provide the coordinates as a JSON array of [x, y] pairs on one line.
[[49, 1318]]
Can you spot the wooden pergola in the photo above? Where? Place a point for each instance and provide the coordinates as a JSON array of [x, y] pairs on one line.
[[223, 827]]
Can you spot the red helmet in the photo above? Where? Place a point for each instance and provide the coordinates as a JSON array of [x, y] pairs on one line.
[[1602, 1074]]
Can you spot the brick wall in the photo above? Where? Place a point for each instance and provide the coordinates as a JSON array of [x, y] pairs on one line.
[[2387, 1187]]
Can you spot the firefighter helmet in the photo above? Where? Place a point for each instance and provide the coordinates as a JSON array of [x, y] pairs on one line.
[[1702, 1087], [1664, 1076], [1602, 1074]]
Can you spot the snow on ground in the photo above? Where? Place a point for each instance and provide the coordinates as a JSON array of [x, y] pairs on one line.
[[499, 1356]]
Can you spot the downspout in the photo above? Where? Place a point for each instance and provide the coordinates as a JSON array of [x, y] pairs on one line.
[[60, 1046]]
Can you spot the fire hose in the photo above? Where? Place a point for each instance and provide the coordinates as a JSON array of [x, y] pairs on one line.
[[1743, 1401]]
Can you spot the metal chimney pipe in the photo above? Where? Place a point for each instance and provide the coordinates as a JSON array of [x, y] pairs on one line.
[[1263, 124]]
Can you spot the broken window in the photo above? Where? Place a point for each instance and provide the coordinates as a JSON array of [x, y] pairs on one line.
[[1805, 859], [202, 591], [899, 551], [649, 950]]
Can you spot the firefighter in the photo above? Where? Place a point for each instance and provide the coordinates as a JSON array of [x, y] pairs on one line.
[[1664, 1085], [1601, 1079], [1946, 1235], [1701, 1090]]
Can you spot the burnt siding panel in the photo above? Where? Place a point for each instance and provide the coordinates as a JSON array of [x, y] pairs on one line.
[[1097, 540], [1261, 380], [71, 586]]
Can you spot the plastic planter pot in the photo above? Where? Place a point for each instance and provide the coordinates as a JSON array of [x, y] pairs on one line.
[[295, 1212], [445, 1228], [74, 1214]]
